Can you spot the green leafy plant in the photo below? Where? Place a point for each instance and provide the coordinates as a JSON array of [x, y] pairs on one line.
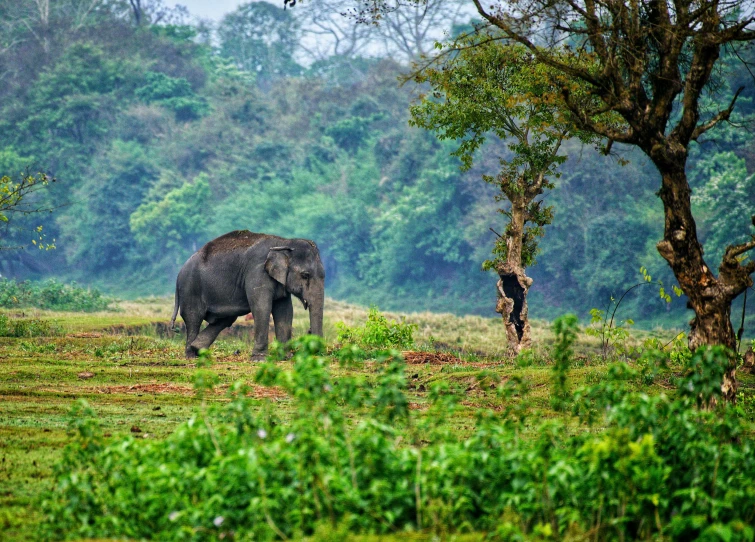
[[378, 332], [611, 336], [614, 336], [704, 372]]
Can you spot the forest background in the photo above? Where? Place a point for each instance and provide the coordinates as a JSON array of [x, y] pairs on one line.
[[164, 131]]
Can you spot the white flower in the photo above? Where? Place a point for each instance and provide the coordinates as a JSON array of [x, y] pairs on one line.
[[218, 521], [290, 438], [261, 433], [173, 516]]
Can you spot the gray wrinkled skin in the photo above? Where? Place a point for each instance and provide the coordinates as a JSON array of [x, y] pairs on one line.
[[242, 272]]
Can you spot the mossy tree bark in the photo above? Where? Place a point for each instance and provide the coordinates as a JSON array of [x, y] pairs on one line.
[[513, 284], [517, 248], [710, 297]]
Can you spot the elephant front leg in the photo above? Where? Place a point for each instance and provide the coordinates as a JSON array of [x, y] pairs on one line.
[[261, 310], [283, 318]]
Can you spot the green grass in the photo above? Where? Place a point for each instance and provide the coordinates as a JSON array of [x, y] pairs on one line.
[[142, 382]]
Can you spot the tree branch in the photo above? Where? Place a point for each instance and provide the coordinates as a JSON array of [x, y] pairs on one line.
[[586, 121], [724, 114], [539, 52], [732, 251]]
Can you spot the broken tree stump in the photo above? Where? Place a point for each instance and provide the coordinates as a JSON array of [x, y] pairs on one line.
[[512, 288]]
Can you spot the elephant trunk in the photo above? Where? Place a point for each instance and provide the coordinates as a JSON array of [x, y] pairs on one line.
[[316, 304]]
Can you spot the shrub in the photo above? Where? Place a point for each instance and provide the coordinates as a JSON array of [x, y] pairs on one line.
[[378, 332], [52, 295], [644, 467], [26, 327]]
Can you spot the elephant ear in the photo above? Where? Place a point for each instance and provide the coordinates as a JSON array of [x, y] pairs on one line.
[[276, 264]]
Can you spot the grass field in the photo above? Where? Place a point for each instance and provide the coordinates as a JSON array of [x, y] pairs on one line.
[[138, 382]]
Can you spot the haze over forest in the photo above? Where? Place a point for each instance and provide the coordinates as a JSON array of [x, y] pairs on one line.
[[164, 130]]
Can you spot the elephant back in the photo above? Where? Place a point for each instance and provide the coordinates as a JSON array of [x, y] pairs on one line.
[[231, 242]]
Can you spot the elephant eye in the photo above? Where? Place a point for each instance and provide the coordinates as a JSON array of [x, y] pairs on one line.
[[305, 275]]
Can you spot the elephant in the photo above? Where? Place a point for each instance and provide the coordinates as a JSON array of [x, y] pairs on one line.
[[242, 272]]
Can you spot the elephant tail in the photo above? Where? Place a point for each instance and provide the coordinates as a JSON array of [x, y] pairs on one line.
[[175, 310]]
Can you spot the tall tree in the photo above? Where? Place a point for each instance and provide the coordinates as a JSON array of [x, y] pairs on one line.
[[501, 90], [650, 62]]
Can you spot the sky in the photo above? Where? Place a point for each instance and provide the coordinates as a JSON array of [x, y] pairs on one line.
[[211, 9]]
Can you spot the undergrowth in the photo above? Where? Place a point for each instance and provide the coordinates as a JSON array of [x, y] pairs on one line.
[[377, 332], [26, 327], [356, 459], [52, 295]]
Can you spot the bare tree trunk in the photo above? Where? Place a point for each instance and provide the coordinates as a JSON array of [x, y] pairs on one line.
[[513, 285], [136, 6], [708, 296]]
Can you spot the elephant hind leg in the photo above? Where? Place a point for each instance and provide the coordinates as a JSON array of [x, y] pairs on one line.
[[208, 335], [193, 323]]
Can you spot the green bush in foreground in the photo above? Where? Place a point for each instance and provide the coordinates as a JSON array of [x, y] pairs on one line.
[[354, 457], [51, 295]]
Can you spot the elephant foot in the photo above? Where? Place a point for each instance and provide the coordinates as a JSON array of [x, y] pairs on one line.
[[191, 353], [259, 357]]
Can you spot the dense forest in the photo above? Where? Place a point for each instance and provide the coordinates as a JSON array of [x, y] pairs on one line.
[[163, 132]]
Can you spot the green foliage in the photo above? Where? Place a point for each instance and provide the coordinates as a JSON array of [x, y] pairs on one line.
[[351, 132], [52, 295], [71, 101], [661, 289], [378, 332], [98, 236], [611, 336], [484, 89], [705, 370], [729, 187], [528, 357], [643, 467], [614, 333], [12, 163], [175, 221], [174, 93], [16, 198]]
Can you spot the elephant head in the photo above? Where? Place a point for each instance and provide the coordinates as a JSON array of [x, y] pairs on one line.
[[298, 267]]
